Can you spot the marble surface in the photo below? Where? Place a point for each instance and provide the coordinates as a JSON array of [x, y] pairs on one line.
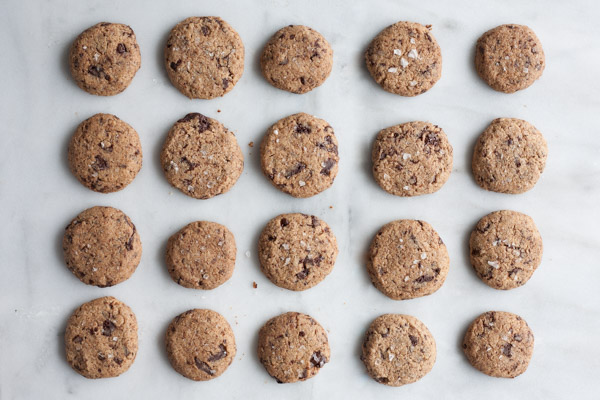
[[40, 106]]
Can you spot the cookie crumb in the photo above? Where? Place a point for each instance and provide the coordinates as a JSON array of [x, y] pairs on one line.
[[251, 144], [254, 285]]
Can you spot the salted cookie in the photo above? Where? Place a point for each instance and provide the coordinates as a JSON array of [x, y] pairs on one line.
[[405, 59], [499, 344], [398, 349], [407, 259], [293, 347], [204, 57], [509, 156], [411, 159], [101, 338], [102, 247], [299, 155], [509, 58], [297, 59], [201, 157], [104, 58], [200, 344]]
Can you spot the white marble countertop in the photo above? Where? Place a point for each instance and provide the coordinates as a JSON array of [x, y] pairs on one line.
[[40, 106]]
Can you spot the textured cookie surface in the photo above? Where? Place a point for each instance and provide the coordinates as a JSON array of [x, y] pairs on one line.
[[204, 57], [102, 247], [398, 349], [299, 155], [104, 58], [101, 338], [499, 344], [509, 156], [293, 347], [412, 159]]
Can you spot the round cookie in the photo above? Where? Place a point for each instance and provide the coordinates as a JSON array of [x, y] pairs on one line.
[[204, 57], [200, 344], [405, 59], [299, 155], [509, 58], [398, 350], [102, 247], [412, 159], [105, 153], [201, 255], [101, 338], [201, 157], [407, 259], [296, 59], [509, 156], [293, 347], [104, 58], [499, 344], [297, 251]]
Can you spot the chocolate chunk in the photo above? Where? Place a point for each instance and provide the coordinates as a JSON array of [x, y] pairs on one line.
[[175, 65], [101, 357], [203, 122], [284, 222], [328, 164], [413, 340], [314, 221], [118, 360], [129, 244], [507, 350], [318, 360], [121, 48], [296, 170], [432, 139], [304, 273], [202, 366], [108, 327], [205, 30], [518, 337], [424, 278], [225, 83], [302, 129], [77, 339], [95, 70], [221, 354], [382, 380]]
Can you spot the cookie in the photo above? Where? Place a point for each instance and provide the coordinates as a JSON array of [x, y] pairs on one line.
[[105, 153], [405, 59], [200, 344], [499, 344], [293, 347], [201, 157], [296, 59], [407, 259], [104, 58], [411, 159], [204, 57], [509, 58], [201, 255], [299, 155], [102, 247], [297, 251], [509, 156], [398, 350], [101, 338]]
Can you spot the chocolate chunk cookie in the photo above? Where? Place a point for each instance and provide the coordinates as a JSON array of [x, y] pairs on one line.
[[101, 338], [204, 57], [297, 59], [299, 155], [398, 349], [200, 344], [509, 58], [293, 347], [105, 58], [407, 259], [201, 157], [412, 159], [405, 59], [499, 344], [509, 156], [102, 247]]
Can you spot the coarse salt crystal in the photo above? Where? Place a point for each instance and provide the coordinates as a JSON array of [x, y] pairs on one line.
[[412, 83], [413, 54], [405, 156], [301, 183], [398, 52], [403, 62], [493, 264], [423, 256], [412, 40], [405, 188], [393, 70]]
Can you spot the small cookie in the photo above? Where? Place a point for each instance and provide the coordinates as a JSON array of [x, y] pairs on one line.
[[204, 57], [509, 58], [297, 251], [405, 59], [499, 344], [104, 58], [105, 153], [407, 259], [293, 347], [201, 157], [102, 247], [398, 349], [299, 155], [101, 338], [297, 59], [200, 344], [411, 159], [509, 156]]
